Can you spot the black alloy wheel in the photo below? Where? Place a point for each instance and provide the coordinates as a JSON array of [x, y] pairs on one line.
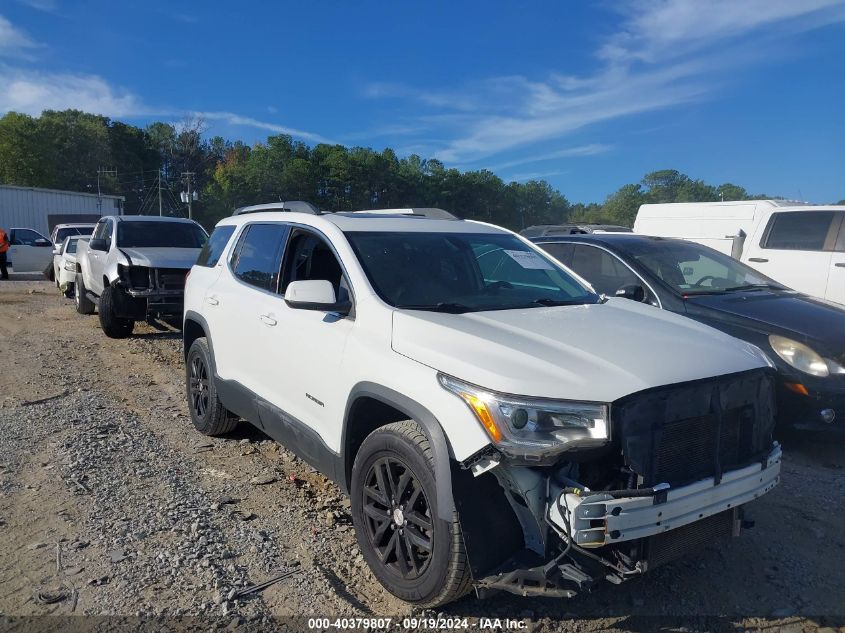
[[398, 518], [198, 386]]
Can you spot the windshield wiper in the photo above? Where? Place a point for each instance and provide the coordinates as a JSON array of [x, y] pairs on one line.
[[556, 302], [718, 291], [451, 308], [752, 287]]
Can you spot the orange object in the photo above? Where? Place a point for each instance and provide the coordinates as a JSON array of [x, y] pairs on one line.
[[798, 388], [4, 241], [484, 416]]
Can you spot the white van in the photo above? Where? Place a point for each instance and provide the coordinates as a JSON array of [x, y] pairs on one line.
[[801, 246]]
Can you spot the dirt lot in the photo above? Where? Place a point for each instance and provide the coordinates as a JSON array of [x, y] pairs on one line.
[[108, 496]]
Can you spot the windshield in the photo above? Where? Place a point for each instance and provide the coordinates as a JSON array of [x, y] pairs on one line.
[[451, 272], [63, 232], [71, 246], [694, 269], [152, 234]]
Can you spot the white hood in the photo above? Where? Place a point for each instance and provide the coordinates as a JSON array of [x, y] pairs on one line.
[[598, 352], [162, 257]]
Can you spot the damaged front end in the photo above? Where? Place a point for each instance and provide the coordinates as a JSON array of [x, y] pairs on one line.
[[150, 292], [676, 467]]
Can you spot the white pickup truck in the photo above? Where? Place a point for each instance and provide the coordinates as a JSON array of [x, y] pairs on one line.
[[134, 268]]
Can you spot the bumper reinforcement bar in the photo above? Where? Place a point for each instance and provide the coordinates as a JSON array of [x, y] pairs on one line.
[[597, 519]]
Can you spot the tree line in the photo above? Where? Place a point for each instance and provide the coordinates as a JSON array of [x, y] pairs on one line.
[[78, 151]]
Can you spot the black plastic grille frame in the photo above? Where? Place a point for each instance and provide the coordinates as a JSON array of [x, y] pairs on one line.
[[682, 433]]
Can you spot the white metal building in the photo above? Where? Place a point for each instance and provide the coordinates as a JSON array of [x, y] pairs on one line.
[[42, 209]]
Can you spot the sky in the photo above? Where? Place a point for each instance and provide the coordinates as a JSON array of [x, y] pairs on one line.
[[586, 95]]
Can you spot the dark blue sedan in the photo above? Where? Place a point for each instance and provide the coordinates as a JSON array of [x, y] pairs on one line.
[[804, 336]]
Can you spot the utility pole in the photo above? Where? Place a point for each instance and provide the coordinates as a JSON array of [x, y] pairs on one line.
[[159, 193], [102, 172], [189, 196]]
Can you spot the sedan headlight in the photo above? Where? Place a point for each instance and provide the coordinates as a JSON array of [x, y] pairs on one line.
[[70, 267], [803, 358], [533, 428]]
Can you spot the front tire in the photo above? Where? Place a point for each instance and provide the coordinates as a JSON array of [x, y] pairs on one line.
[[83, 304], [416, 555], [69, 292], [208, 414], [113, 326]]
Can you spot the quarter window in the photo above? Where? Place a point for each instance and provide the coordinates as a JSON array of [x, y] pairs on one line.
[[799, 230], [258, 256], [213, 248]]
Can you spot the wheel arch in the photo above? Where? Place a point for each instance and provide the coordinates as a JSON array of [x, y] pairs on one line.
[[371, 406], [195, 326]]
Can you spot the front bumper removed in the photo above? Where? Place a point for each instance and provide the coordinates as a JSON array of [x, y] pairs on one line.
[[600, 518]]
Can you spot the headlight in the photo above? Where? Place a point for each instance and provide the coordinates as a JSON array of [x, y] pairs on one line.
[[533, 428], [802, 357], [70, 267]]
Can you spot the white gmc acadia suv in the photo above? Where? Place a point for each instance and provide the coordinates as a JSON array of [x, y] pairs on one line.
[[497, 424]]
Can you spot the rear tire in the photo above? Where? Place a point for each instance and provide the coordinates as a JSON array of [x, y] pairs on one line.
[[84, 305], [113, 326], [416, 555], [208, 414]]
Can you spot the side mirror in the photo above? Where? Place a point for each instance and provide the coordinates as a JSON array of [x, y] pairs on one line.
[[635, 292], [57, 250], [98, 244], [42, 242], [314, 294]]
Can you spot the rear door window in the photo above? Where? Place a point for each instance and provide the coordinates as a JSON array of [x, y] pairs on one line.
[[214, 247], [799, 230], [604, 271], [257, 258], [561, 251]]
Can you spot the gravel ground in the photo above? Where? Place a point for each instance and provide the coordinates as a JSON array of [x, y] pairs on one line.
[[111, 501]]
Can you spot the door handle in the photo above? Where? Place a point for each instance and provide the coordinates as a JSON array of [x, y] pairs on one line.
[[840, 264], [758, 259], [267, 319], [212, 301]]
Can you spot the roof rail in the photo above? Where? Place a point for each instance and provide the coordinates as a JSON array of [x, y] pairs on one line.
[[422, 212], [293, 206]]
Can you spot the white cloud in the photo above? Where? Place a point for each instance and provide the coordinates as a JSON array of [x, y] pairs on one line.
[[13, 41], [591, 149], [534, 175], [657, 30], [236, 119], [665, 53], [41, 5], [32, 92]]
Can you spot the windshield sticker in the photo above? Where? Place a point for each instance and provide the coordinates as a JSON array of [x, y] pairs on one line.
[[529, 260]]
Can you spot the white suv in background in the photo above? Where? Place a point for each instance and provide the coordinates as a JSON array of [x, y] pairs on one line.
[[496, 423]]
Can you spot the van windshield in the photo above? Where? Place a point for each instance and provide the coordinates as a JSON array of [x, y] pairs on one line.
[[692, 269], [152, 234], [452, 272]]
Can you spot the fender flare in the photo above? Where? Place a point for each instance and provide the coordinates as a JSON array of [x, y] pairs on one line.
[[190, 315], [430, 426]]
